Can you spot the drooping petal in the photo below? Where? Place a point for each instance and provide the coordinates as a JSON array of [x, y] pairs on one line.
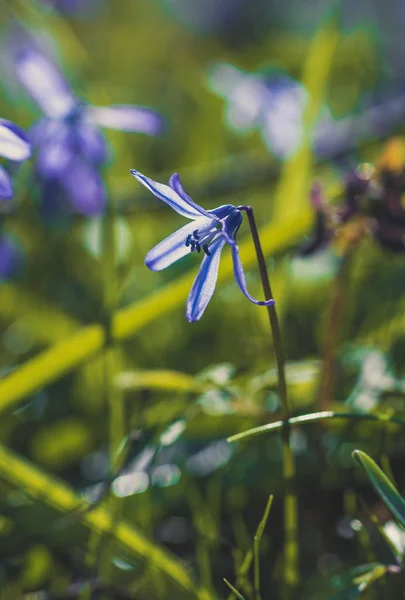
[[127, 117], [204, 284], [241, 280], [14, 143], [44, 83], [173, 247], [168, 195], [85, 188], [176, 185], [6, 187]]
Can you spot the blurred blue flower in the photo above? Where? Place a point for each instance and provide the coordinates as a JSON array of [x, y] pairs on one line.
[[14, 146], [10, 257], [73, 7], [208, 231], [271, 104], [70, 146]]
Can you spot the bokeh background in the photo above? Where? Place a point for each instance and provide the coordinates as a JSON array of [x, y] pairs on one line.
[[116, 478]]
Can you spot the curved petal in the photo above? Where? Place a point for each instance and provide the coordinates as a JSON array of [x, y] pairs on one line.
[[177, 186], [127, 117], [241, 280], [44, 83], [14, 143], [173, 247], [168, 195], [6, 187], [204, 284]]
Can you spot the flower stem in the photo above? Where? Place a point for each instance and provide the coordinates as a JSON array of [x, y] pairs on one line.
[[291, 553]]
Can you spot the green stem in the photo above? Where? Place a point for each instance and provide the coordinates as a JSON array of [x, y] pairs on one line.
[[291, 549], [271, 311]]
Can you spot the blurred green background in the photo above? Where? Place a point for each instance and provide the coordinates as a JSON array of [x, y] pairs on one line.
[[149, 410]]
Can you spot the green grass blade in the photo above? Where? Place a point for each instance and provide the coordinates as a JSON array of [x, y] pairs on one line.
[[256, 546], [164, 380], [234, 590], [311, 418], [382, 485]]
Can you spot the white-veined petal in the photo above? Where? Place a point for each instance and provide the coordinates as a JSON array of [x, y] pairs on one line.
[[14, 144], [173, 247], [168, 195], [204, 284]]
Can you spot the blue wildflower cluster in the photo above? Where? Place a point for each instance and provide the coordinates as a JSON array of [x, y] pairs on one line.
[[66, 142]]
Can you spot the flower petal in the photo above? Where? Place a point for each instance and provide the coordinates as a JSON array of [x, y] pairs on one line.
[[172, 198], [44, 83], [14, 143], [241, 280], [6, 188], [55, 152], [127, 117], [177, 186], [84, 186], [173, 247], [204, 284], [91, 142]]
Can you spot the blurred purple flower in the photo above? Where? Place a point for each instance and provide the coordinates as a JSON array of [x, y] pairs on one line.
[[207, 15], [208, 231], [73, 7], [70, 147], [271, 104], [14, 146], [10, 257]]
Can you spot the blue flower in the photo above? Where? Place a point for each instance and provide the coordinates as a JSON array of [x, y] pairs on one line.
[[70, 146], [207, 234], [14, 146], [272, 104]]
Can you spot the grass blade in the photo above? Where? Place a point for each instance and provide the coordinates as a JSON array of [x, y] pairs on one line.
[[234, 590], [256, 547], [382, 485]]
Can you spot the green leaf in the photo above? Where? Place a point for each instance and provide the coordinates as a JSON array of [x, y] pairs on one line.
[[382, 485]]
